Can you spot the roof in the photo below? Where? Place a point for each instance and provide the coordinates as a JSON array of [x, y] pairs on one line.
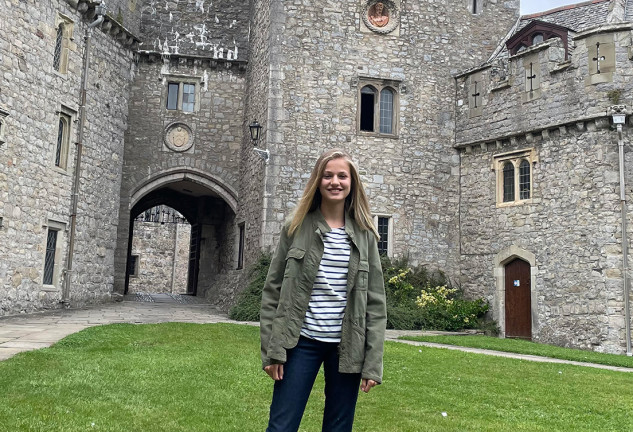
[[575, 17]]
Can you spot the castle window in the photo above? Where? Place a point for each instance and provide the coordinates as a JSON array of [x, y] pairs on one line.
[[3, 116], [385, 231], [182, 96], [537, 32], [63, 36], [508, 182], [524, 180], [514, 173], [377, 111], [52, 254], [62, 143], [475, 6]]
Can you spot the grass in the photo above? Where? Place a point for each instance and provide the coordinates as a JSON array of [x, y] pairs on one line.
[[525, 347], [192, 377]]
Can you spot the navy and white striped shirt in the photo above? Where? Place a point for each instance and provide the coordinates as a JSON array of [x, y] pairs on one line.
[[324, 316]]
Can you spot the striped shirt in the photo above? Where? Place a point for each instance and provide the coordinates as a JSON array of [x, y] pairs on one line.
[[324, 316]]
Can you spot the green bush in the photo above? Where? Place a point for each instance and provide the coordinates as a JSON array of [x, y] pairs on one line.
[[416, 298], [249, 301], [419, 299]]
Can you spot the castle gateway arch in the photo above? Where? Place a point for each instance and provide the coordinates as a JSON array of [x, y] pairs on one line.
[[209, 206]]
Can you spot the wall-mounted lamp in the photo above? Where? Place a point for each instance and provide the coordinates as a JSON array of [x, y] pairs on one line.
[[256, 130]]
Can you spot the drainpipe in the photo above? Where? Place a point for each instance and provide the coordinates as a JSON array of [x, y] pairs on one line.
[[618, 113], [100, 10]]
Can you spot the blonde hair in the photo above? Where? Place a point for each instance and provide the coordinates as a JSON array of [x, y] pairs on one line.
[[356, 203]]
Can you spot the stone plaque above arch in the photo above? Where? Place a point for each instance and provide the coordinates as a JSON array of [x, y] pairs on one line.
[[178, 137], [381, 16]]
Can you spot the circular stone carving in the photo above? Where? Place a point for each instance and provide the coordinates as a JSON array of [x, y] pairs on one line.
[[178, 137], [381, 16]]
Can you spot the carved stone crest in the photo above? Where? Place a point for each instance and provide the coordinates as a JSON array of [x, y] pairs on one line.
[[178, 137], [381, 16]]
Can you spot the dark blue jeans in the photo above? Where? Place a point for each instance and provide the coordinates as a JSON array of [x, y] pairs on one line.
[[290, 395]]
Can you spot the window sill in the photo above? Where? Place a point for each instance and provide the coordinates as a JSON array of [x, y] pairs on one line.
[[377, 135], [514, 203], [50, 288]]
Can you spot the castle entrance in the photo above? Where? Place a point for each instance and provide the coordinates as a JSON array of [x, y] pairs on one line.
[[181, 237]]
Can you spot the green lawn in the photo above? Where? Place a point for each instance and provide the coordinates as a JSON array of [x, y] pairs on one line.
[[526, 347], [191, 377]]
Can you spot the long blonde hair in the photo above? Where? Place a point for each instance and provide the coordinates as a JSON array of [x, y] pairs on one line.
[[356, 203]]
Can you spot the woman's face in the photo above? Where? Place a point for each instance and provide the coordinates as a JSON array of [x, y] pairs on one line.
[[336, 181], [379, 7]]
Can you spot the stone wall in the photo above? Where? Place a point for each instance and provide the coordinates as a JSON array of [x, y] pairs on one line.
[[321, 54], [163, 257], [34, 194], [216, 29], [572, 221]]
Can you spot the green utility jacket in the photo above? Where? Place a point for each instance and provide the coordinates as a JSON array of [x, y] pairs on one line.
[[288, 288]]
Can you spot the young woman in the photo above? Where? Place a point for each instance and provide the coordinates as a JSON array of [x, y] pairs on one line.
[[324, 300]]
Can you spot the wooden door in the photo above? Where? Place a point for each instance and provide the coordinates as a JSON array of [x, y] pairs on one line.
[[518, 300]]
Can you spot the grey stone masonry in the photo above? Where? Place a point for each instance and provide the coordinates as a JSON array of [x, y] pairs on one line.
[[216, 29], [571, 222], [321, 55], [35, 194]]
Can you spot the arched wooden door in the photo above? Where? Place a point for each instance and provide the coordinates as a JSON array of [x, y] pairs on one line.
[[518, 299]]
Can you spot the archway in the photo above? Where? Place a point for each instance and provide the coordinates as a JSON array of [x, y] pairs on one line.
[[209, 208]]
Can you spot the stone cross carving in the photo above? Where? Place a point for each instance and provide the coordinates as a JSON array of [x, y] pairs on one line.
[[474, 95], [598, 58], [531, 77]]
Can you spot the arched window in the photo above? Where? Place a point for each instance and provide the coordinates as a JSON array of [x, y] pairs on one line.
[[524, 180], [537, 38], [508, 182], [367, 106], [57, 54], [63, 140], [386, 111]]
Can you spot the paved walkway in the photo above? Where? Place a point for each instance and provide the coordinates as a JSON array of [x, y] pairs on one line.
[[40, 330]]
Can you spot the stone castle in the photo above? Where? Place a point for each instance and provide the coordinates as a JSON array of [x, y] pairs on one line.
[[494, 147]]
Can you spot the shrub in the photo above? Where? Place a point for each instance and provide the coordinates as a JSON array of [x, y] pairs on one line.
[[420, 299], [249, 301]]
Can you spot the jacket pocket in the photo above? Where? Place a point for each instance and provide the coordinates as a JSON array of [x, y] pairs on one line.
[[362, 279], [294, 262]]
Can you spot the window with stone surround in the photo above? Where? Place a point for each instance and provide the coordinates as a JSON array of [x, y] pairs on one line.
[[514, 176], [182, 94], [384, 226], [475, 6], [62, 139], [378, 107], [3, 115], [52, 255], [64, 27]]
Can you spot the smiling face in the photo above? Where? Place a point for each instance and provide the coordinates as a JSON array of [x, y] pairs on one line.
[[336, 182]]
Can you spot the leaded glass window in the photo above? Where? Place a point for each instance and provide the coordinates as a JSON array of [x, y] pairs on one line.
[[49, 259], [188, 97], [383, 231], [60, 141], [508, 182], [386, 111], [524, 180], [57, 55]]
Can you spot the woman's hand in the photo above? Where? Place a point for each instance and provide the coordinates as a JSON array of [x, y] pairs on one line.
[[275, 371], [367, 384]]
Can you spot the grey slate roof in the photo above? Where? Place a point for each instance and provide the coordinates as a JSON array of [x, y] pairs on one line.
[[576, 17]]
